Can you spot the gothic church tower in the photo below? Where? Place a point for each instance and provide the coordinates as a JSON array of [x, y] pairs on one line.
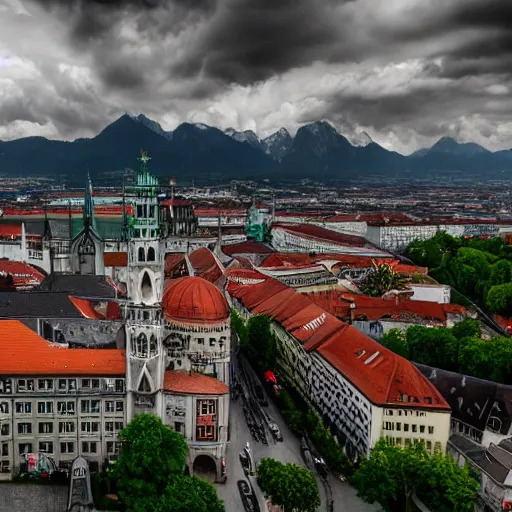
[[144, 323]]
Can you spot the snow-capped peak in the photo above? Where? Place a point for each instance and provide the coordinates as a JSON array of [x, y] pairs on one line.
[[201, 126]]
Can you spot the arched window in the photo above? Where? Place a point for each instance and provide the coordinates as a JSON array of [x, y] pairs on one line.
[[141, 345], [151, 254], [153, 347], [146, 287], [144, 386], [142, 254]]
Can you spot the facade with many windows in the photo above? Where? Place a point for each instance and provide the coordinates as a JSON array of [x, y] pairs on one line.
[[58, 401]]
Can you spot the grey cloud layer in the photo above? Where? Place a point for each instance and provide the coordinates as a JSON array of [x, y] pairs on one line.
[[185, 56]]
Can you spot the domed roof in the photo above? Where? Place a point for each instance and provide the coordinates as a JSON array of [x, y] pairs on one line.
[[194, 300]]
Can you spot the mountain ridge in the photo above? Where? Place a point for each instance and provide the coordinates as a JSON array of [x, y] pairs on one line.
[[318, 149]]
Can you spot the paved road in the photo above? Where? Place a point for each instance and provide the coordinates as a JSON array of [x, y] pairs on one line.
[[344, 496]]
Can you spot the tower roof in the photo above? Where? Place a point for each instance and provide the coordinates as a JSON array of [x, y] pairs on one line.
[[194, 300]]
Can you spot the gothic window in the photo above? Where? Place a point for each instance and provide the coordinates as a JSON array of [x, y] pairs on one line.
[[141, 345], [139, 211], [152, 345], [142, 255], [151, 254], [144, 386], [146, 287]]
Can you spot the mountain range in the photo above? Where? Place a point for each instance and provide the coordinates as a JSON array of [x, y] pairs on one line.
[[191, 151]]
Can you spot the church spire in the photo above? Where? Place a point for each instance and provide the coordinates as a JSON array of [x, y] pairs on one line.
[[88, 219]]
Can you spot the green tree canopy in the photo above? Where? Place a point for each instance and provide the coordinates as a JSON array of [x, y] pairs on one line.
[[468, 327], [290, 486], [396, 341], [499, 299], [391, 475], [149, 472]]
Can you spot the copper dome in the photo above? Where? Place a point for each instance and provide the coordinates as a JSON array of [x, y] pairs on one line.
[[194, 300]]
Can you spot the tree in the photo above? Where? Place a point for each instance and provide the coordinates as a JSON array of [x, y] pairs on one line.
[[499, 299], [431, 346], [261, 340], [396, 341], [287, 485], [150, 469], [466, 328], [391, 475], [382, 279]]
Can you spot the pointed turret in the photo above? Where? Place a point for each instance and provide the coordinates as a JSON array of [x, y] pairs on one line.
[[88, 216]]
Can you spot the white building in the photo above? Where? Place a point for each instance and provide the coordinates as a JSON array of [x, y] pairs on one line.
[[362, 390]]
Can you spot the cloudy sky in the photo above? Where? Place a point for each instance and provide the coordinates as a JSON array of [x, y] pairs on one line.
[[405, 71]]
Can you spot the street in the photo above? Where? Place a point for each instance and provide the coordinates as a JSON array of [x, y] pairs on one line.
[[344, 496]]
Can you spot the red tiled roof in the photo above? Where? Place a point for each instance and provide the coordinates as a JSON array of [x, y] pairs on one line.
[[172, 260], [86, 309], [381, 380], [205, 265], [345, 260], [300, 214], [381, 375], [248, 247], [194, 300], [374, 308], [115, 259], [26, 353], [193, 383], [22, 273], [175, 202], [201, 212], [319, 233]]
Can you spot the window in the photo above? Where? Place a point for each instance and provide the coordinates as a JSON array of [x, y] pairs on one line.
[[5, 449], [206, 407], [67, 385], [45, 428], [66, 408], [109, 406], [119, 406], [205, 433], [437, 446], [387, 425], [430, 430], [212, 342], [25, 385], [113, 447], [428, 399], [142, 254], [24, 429], [200, 341], [153, 349], [45, 384], [67, 447], [406, 427], [398, 426], [4, 429], [23, 407], [25, 448], [151, 254], [4, 407], [429, 446], [44, 407], [90, 383], [89, 427], [46, 446], [90, 406], [89, 447], [141, 345], [66, 427], [4, 466], [414, 428], [422, 429], [179, 427], [5, 386]]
